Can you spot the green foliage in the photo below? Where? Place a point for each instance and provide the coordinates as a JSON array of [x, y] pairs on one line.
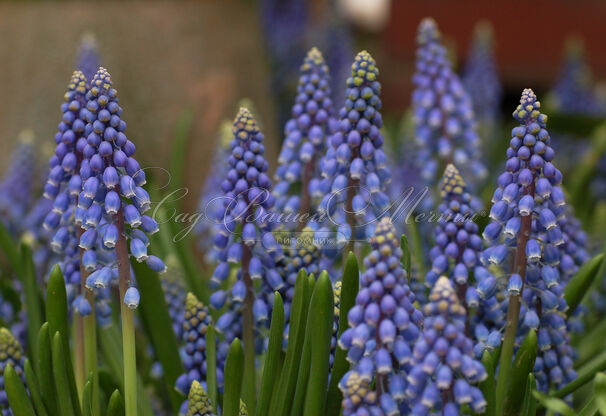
[[522, 366], [18, 399], [578, 286], [154, 312], [234, 369], [272, 361]]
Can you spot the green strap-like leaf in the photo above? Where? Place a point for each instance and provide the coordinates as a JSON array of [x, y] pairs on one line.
[[56, 315], [64, 395], [599, 388], [529, 406], [321, 319], [18, 399], [584, 375], [154, 312], [33, 299], [272, 361], [10, 249], [488, 386], [349, 290], [45, 370], [522, 366], [554, 404], [115, 407], [234, 370], [211, 367], [87, 399], [282, 397], [34, 389], [590, 409], [579, 284]]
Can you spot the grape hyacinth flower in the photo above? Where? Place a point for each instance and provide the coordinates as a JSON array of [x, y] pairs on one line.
[[195, 325], [198, 402], [210, 204], [443, 113], [247, 208], [175, 293], [88, 60], [524, 239], [574, 91], [10, 354], [305, 142], [63, 187], [16, 187], [480, 77], [112, 203], [355, 162], [457, 249], [384, 325], [444, 368]]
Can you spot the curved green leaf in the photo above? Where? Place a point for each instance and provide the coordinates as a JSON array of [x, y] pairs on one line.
[[64, 394], [33, 298], [599, 387], [584, 375], [234, 370], [554, 404], [349, 290], [529, 406], [321, 319], [18, 399], [522, 366], [282, 397], [272, 361], [154, 312], [406, 262], [579, 284], [56, 315], [115, 406], [87, 393], [488, 386], [33, 386], [45, 370]]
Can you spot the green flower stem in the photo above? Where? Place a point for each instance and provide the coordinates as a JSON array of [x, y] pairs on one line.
[[128, 324], [79, 360], [513, 311], [249, 391]]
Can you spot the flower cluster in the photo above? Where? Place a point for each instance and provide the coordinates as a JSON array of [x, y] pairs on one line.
[[480, 76], [88, 60], [198, 402], [16, 187], [574, 92], [195, 324], [10, 354], [246, 207], [384, 325], [63, 188], [456, 255], [355, 161], [112, 202], [524, 235], [443, 114], [443, 362], [305, 139], [175, 293], [210, 204]]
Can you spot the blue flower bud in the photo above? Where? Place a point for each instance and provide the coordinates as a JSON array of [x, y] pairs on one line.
[[514, 286], [132, 297], [156, 264]]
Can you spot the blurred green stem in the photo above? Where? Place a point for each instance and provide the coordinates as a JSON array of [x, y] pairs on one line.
[[128, 325]]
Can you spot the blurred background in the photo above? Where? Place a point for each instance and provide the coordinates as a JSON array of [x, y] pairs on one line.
[[194, 60]]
